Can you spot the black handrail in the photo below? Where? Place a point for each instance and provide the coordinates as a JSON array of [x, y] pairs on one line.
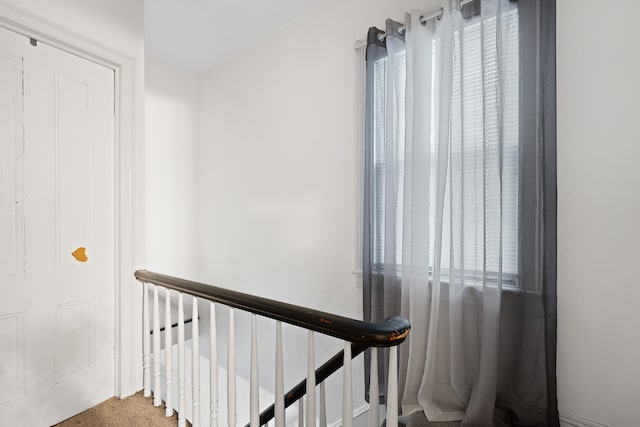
[[387, 333]]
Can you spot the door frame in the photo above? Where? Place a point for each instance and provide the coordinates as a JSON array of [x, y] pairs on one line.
[[129, 180]]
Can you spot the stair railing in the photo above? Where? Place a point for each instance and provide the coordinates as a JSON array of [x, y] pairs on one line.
[[357, 336]]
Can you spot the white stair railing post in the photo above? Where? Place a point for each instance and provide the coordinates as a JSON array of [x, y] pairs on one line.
[[311, 382], [168, 353], [374, 390], [323, 406], [146, 342], [213, 366], [157, 385], [347, 398], [231, 372], [279, 398], [254, 398], [195, 364], [392, 390], [181, 364], [300, 412]]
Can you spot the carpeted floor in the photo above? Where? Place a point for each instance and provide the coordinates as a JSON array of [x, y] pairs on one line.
[[138, 411], [135, 411]]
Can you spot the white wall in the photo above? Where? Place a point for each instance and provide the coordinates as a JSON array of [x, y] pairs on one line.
[[277, 160], [171, 109], [599, 210], [277, 166]]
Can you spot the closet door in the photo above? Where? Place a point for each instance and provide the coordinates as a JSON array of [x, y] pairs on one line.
[[57, 235]]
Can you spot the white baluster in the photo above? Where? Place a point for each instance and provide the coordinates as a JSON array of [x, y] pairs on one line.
[[231, 372], [157, 386], [311, 382], [392, 390], [279, 404], [181, 362], [146, 342], [254, 398], [301, 413], [168, 353], [374, 393], [323, 406], [195, 364], [213, 359], [347, 399]]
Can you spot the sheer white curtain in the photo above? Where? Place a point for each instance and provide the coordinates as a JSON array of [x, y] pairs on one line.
[[444, 198]]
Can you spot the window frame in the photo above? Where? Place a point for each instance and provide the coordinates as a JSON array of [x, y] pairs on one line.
[[526, 130]]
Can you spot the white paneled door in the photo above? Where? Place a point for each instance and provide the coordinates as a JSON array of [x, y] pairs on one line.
[[56, 233]]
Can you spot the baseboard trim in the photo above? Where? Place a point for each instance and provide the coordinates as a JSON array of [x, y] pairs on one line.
[[576, 421], [356, 413]]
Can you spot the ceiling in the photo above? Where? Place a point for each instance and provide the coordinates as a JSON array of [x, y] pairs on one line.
[[197, 35]]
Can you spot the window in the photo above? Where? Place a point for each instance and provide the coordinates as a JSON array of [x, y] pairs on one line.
[[478, 146]]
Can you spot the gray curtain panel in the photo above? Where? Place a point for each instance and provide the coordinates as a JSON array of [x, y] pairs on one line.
[[547, 88], [379, 301], [526, 366]]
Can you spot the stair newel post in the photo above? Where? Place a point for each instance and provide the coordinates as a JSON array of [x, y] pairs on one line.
[[347, 398], [279, 398], [213, 365], [181, 363], [254, 399], [168, 353], [146, 341], [392, 390], [231, 371], [195, 364], [374, 390], [323, 406], [157, 386], [311, 381]]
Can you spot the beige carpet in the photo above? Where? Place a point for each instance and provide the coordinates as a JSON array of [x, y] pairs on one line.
[[137, 411]]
